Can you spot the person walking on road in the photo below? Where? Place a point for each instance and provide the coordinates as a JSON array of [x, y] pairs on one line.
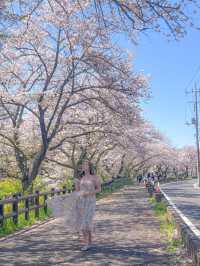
[[78, 208], [149, 177], [139, 179], [87, 188]]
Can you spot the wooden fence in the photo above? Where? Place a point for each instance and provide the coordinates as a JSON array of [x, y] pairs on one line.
[[33, 202]]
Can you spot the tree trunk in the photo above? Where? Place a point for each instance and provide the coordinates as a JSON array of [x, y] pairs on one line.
[[121, 169], [27, 180]]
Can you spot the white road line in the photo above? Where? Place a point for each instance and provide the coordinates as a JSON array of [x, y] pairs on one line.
[[178, 182], [184, 218]]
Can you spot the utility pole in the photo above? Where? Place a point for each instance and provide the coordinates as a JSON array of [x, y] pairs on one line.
[[196, 123]]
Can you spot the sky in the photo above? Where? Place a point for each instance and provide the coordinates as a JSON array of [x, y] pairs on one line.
[[171, 66]]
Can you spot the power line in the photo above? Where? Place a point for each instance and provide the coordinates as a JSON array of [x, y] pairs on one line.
[[193, 78]]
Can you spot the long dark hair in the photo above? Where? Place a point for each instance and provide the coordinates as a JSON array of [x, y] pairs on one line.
[[91, 169]]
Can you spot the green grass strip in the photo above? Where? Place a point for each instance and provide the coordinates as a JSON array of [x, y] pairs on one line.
[[167, 226]]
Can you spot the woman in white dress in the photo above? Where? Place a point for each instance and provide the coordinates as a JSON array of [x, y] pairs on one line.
[[87, 188], [78, 208]]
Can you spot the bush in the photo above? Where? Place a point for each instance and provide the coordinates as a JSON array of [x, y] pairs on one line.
[[68, 183], [9, 186]]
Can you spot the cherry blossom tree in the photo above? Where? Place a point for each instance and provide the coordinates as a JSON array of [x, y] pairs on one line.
[[172, 18], [173, 162], [132, 17], [48, 70], [140, 148], [100, 128], [67, 92], [187, 158]]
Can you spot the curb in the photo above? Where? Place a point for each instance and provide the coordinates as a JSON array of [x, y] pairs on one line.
[[187, 231], [196, 185]]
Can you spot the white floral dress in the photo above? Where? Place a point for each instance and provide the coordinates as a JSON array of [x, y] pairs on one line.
[[77, 211], [86, 205]]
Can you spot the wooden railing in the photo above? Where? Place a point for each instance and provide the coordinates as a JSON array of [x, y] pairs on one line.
[[33, 202]]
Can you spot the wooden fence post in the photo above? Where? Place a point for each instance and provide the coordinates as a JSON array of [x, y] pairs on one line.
[[15, 209], [37, 203], [27, 209], [64, 189], [52, 192], [1, 214], [45, 203]]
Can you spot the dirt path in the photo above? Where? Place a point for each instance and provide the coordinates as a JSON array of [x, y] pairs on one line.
[[127, 233]]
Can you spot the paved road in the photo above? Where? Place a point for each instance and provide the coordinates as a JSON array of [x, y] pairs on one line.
[[186, 197], [127, 233]]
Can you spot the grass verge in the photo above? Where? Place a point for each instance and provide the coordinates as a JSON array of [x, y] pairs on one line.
[[9, 227], [167, 225]]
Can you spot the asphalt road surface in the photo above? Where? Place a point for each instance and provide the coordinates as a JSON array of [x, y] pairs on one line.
[[186, 196]]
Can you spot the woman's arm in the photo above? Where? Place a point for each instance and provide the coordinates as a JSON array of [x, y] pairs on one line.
[[77, 185], [97, 184]]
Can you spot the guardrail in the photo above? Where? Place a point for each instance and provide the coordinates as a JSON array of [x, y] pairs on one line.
[[34, 202]]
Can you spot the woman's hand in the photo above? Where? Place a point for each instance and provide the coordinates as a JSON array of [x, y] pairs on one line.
[[86, 194]]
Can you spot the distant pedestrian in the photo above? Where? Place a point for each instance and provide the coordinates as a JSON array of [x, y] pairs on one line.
[[152, 176], [139, 179], [159, 177], [149, 177], [145, 180]]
